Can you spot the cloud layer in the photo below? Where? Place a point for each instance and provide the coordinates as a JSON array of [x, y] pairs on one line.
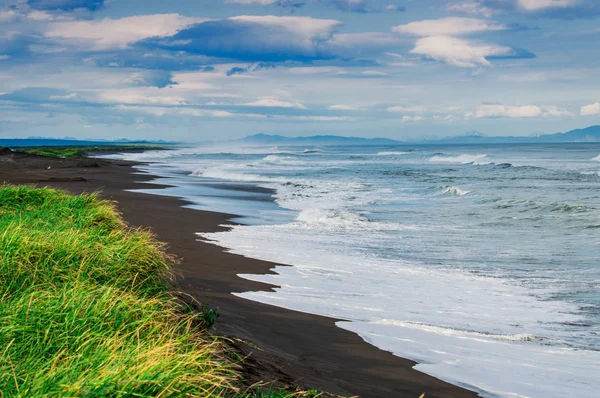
[[111, 33], [354, 64], [254, 38]]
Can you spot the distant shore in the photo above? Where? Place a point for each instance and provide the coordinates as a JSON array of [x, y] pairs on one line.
[[285, 346]]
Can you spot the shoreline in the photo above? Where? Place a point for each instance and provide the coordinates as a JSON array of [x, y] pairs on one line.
[[283, 345]]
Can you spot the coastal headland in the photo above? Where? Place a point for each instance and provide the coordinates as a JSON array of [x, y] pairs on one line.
[[281, 346]]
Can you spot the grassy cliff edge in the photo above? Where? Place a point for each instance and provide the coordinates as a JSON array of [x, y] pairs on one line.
[[85, 308]]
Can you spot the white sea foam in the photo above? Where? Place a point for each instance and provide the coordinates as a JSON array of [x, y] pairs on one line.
[[463, 159], [596, 159], [456, 332], [590, 173], [364, 291], [392, 153], [330, 218], [274, 158], [495, 368], [225, 174], [313, 150], [454, 191], [283, 160]]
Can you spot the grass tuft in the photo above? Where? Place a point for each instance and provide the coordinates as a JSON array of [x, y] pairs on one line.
[[85, 310]]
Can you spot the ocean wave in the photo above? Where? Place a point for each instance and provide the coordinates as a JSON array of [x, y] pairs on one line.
[[596, 159], [283, 160], [462, 159], [568, 208], [313, 150], [332, 218], [391, 153], [274, 158], [344, 220], [554, 207], [224, 174], [454, 191]]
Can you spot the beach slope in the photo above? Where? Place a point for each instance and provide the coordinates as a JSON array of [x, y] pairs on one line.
[[284, 346]]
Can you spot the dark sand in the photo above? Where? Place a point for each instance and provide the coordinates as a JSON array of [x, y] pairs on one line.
[[284, 346]]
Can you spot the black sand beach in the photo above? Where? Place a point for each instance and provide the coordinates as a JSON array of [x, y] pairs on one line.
[[282, 345]]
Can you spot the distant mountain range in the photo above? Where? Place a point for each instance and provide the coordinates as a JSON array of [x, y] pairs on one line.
[[589, 134]]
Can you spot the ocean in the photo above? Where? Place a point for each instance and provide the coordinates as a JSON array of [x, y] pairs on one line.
[[479, 262]]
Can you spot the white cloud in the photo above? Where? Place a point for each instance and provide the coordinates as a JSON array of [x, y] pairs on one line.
[[406, 119], [486, 111], [257, 38], [406, 109], [374, 73], [399, 60], [8, 16], [303, 27], [553, 111], [537, 5], [472, 7], [315, 70], [392, 7], [342, 107], [269, 102], [62, 97], [363, 42], [118, 33], [453, 26], [181, 111], [458, 52], [447, 118], [192, 80], [142, 95], [591, 109], [315, 118], [37, 15]]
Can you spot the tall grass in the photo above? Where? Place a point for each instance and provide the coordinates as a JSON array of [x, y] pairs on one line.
[[85, 310]]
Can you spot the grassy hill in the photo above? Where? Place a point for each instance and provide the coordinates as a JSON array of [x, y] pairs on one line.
[[86, 308]]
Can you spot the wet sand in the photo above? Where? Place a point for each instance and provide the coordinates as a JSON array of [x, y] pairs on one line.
[[282, 346]]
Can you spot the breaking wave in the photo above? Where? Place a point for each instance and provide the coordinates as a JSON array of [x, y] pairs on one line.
[[462, 159], [448, 190], [391, 153]]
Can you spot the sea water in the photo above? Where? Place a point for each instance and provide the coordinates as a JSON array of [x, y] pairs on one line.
[[479, 262]]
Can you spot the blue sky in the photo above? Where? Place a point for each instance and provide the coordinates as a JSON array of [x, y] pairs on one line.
[[217, 69]]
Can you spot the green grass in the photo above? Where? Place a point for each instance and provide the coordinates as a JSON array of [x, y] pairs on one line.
[[86, 310], [69, 152], [267, 393]]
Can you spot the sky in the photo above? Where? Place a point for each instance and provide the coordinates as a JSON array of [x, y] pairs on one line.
[[195, 70]]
